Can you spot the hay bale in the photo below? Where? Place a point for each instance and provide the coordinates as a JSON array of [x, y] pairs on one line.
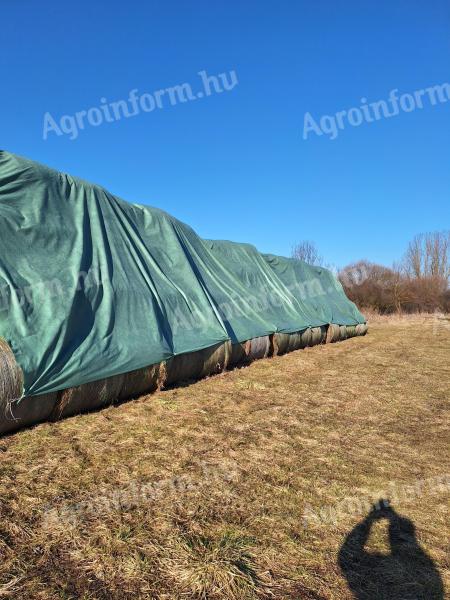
[[333, 333], [239, 354], [317, 335], [184, 367], [298, 340], [88, 396], [27, 411], [280, 343], [190, 366], [142, 381], [306, 337], [271, 344], [216, 359], [293, 341], [11, 387], [11, 376], [288, 342], [361, 329], [351, 331], [259, 347]]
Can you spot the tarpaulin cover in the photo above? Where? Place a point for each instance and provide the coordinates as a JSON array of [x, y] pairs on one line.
[[92, 286]]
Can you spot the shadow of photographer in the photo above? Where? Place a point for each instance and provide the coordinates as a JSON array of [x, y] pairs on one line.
[[406, 573]]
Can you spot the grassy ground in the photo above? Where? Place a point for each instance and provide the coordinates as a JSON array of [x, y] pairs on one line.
[[244, 485]]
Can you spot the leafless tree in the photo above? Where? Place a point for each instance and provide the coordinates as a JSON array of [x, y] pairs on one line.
[[400, 291], [308, 252], [428, 255], [420, 283]]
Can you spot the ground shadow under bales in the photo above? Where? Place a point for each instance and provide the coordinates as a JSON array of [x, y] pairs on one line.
[[406, 573]]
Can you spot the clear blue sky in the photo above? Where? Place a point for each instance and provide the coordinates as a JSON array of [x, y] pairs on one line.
[[234, 165]]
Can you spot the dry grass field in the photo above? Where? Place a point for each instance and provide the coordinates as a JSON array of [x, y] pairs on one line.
[[253, 484]]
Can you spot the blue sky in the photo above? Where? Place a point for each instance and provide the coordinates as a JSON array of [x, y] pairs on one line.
[[235, 165]]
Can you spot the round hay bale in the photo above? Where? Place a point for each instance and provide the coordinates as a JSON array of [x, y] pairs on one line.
[[296, 341], [11, 387], [88, 396], [239, 354], [259, 347], [11, 376], [316, 336], [140, 382], [280, 343], [271, 344], [184, 367], [216, 359], [342, 332], [190, 366], [306, 337], [351, 331], [333, 333], [361, 329], [323, 333], [27, 411]]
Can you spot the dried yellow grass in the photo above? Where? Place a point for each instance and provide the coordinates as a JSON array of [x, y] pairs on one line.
[[201, 491]]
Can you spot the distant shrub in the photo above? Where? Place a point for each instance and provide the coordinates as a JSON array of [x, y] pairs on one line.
[[388, 290]]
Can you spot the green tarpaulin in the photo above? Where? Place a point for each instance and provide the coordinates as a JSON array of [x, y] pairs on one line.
[[92, 286]]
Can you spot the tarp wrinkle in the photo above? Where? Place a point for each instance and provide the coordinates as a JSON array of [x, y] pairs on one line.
[[92, 286]]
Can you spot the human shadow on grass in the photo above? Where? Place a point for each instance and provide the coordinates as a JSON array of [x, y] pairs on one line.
[[406, 573]]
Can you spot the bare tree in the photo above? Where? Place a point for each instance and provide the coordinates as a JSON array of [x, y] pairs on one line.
[[400, 292], [308, 252], [428, 255], [420, 283]]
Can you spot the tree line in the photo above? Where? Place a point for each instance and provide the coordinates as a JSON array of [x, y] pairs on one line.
[[418, 283]]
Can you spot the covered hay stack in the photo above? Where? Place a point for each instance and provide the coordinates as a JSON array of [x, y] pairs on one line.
[[21, 412], [108, 300]]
